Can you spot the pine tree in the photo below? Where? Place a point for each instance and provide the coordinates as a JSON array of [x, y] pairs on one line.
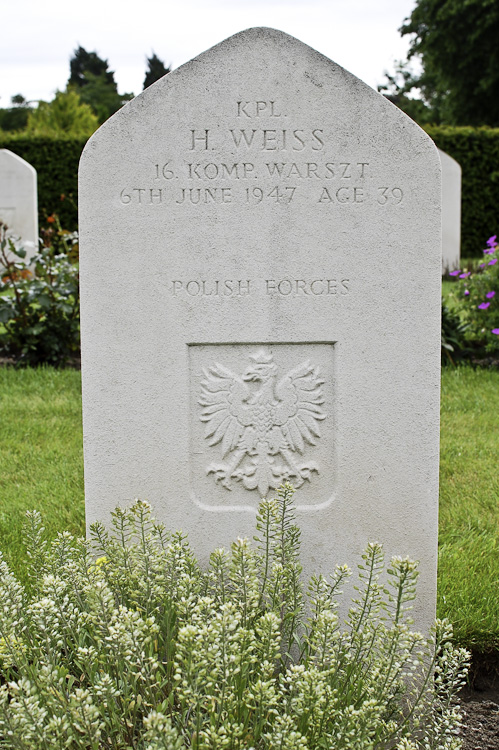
[[91, 78], [84, 62], [155, 70]]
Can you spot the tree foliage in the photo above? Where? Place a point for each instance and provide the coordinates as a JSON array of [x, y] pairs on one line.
[[91, 78], [65, 115], [396, 89], [84, 62], [457, 43], [15, 117], [103, 98], [156, 69]]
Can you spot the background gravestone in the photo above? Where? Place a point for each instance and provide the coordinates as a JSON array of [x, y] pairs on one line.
[[451, 212], [260, 290], [18, 200]]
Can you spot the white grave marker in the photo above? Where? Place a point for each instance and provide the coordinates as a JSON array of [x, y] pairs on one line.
[[260, 280], [18, 200], [451, 212]]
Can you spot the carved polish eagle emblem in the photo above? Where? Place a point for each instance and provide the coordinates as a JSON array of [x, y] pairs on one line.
[[262, 422]]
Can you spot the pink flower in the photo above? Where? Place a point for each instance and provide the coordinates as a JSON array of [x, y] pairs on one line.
[[492, 262], [484, 306], [454, 273], [489, 295], [496, 331], [492, 240], [464, 275], [466, 292], [482, 265]]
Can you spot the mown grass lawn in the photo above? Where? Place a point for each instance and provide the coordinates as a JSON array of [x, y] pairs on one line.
[[41, 466], [41, 454], [468, 592]]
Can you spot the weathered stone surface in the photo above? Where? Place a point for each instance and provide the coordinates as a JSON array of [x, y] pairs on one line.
[[260, 280], [18, 200], [451, 212]]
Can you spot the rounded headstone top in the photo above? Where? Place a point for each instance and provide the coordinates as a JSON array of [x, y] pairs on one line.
[[448, 161], [258, 60], [8, 157]]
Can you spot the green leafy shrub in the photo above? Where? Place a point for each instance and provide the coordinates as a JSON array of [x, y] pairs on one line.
[[477, 300], [66, 115], [125, 642], [39, 300]]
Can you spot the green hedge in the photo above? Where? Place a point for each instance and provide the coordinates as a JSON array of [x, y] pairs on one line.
[[477, 151], [56, 162]]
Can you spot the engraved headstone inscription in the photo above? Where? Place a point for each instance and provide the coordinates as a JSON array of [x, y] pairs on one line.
[[18, 200], [451, 212], [260, 290]]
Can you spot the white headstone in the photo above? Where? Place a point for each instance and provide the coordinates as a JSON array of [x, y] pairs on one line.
[[451, 212], [18, 200], [260, 290]]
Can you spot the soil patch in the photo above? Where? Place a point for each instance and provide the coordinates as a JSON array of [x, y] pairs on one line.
[[74, 363], [480, 703], [481, 730]]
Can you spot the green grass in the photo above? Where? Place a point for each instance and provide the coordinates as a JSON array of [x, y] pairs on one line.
[[468, 592], [41, 467], [41, 454]]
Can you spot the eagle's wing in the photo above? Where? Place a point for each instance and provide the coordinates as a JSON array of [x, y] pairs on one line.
[[226, 416], [298, 411]]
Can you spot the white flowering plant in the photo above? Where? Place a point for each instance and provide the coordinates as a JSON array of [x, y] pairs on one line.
[[124, 641]]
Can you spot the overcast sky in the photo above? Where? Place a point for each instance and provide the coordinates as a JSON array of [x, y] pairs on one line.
[[39, 36]]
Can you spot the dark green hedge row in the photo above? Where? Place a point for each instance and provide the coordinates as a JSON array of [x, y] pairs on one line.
[[56, 162], [477, 151]]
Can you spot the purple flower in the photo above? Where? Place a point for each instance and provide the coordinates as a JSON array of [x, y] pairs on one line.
[[489, 295], [454, 273], [484, 306], [492, 262], [482, 265], [464, 275], [496, 331], [466, 292], [492, 240]]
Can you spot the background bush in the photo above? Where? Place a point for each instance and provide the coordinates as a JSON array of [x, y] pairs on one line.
[[477, 151]]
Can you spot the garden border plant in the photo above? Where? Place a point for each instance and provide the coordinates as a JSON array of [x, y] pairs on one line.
[[39, 298], [124, 641], [477, 301]]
